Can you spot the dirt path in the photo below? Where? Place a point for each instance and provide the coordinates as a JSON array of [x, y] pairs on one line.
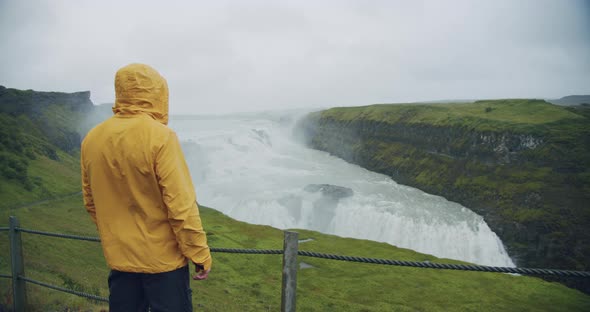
[[35, 203]]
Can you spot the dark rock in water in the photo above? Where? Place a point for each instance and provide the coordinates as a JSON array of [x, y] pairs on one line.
[[325, 207], [262, 137], [333, 191]]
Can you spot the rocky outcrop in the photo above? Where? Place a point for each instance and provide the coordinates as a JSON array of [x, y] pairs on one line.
[[334, 192], [33, 102], [530, 186]]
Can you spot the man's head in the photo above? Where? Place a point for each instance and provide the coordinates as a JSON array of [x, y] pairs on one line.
[[141, 89]]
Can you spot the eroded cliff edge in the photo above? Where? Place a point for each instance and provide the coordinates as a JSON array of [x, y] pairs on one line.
[[521, 164]]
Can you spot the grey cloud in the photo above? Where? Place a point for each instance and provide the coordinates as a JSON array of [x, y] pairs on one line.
[[226, 56]]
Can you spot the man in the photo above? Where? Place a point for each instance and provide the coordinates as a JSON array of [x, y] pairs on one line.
[[138, 191]]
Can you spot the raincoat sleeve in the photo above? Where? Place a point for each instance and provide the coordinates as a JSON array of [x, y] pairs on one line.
[[179, 197], [86, 191]]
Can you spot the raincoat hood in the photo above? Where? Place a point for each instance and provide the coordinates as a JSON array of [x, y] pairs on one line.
[[141, 89]]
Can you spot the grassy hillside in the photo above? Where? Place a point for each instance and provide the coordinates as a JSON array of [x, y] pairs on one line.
[[39, 140], [490, 115]]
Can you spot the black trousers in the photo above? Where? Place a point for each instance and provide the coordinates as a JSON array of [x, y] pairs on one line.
[[158, 292]]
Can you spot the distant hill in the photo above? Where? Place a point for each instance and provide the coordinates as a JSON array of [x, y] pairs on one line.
[[572, 100]]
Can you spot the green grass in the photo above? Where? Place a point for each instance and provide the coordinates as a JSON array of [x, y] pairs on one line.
[[52, 178], [62, 262], [252, 282], [493, 115]]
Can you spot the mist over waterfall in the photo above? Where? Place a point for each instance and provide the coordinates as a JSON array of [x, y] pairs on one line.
[[249, 167]]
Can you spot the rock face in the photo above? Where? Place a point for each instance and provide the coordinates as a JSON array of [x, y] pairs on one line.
[[530, 186]]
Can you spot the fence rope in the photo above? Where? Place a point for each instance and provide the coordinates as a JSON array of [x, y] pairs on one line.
[[4, 228], [248, 251], [424, 264], [447, 266], [78, 237], [70, 291], [416, 264]]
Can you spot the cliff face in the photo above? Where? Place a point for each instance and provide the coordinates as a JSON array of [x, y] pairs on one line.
[[55, 114], [527, 176], [16, 101]]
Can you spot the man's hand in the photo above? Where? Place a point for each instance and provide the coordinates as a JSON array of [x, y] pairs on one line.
[[201, 273]]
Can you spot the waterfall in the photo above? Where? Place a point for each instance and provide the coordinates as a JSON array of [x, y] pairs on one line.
[[249, 167]]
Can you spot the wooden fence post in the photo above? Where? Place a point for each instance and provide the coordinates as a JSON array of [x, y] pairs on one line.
[[289, 289], [19, 293]]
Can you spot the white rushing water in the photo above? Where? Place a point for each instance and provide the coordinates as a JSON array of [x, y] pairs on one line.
[[249, 167]]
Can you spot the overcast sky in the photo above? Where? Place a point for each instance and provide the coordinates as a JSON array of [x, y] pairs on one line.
[[232, 56]]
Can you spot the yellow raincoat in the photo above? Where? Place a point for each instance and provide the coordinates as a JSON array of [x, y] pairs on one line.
[[136, 184]]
